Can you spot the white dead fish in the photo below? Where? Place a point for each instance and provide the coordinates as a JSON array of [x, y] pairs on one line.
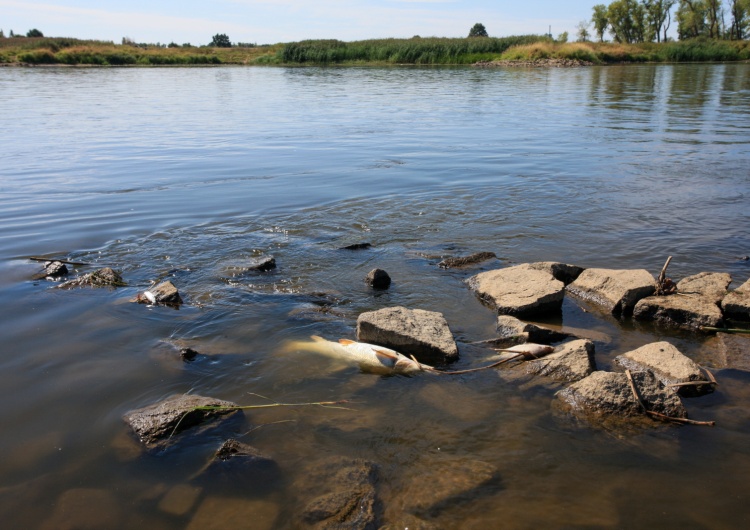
[[528, 350], [369, 357]]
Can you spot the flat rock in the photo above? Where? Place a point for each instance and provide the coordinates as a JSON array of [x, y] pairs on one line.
[[560, 271], [519, 291], [695, 304], [239, 267], [445, 484], [733, 351], [156, 425], [84, 509], [617, 291], [603, 396], [220, 513], [509, 327], [571, 362], [165, 293], [668, 364], [466, 261], [378, 279], [180, 499], [105, 277], [736, 305], [424, 334]]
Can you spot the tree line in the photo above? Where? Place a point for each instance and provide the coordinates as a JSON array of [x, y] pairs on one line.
[[631, 21]]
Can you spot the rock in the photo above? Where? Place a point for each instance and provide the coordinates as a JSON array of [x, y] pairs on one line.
[[571, 362], [510, 327], [617, 291], [83, 509], [519, 291], [736, 305], [695, 305], [53, 270], [188, 354], [238, 465], [105, 277], [157, 425], [356, 246], [259, 264], [605, 396], [180, 499], [734, 351], [668, 364], [424, 334], [445, 484], [345, 495], [378, 279], [165, 294], [560, 271], [220, 513], [465, 261]]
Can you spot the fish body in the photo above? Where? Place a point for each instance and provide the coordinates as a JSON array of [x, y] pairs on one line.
[[369, 357], [529, 350]]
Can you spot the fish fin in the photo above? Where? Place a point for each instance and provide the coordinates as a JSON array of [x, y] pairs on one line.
[[385, 353], [317, 339], [346, 342]]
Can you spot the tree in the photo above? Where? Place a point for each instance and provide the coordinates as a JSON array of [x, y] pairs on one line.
[[478, 30], [220, 40], [34, 33], [600, 20], [627, 20], [658, 18], [2, 35], [740, 10], [691, 19], [583, 31], [562, 37]]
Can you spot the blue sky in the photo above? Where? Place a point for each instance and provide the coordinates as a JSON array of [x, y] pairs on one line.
[[272, 21]]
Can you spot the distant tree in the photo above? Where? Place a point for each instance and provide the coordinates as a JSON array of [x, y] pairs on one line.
[[691, 19], [478, 30], [220, 40], [11, 33], [187, 45], [740, 27], [658, 18], [2, 35], [627, 20], [600, 20], [583, 31], [173, 45], [562, 37], [34, 33]]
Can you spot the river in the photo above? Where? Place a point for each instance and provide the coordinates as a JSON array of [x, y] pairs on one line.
[[180, 172]]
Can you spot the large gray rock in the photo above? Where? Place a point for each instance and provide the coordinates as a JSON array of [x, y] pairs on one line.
[[424, 334], [736, 305], [509, 327], [668, 364], [695, 304], [571, 362], [560, 271], [158, 425], [519, 291], [733, 351], [617, 291], [605, 396]]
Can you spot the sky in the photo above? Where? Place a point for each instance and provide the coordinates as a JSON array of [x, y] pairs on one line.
[[274, 21]]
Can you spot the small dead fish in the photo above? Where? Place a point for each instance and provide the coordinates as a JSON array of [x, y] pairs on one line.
[[369, 357], [529, 350]]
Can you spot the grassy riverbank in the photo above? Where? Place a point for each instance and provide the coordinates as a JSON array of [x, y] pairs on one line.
[[419, 51]]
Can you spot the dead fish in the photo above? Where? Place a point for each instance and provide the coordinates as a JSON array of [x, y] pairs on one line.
[[369, 357], [528, 350]]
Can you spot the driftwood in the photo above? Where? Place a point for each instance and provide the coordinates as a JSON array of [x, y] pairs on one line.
[[725, 330], [659, 415], [74, 263], [664, 285]]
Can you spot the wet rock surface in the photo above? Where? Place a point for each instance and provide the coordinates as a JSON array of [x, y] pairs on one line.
[[736, 305], [158, 425], [466, 261], [519, 291], [733, 351], [509, 327], [53, 270], [378, 279], [164, 294], [222, 513], [695, 304], [357, 246], [604, 396], [238, 465], [615, 290], [259, 264], [105, 277], [570, 362], [424, 334], [85, 508], [563, 272], [668, 364]]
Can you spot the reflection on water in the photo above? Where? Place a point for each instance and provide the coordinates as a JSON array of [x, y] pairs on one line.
[[182, 172]]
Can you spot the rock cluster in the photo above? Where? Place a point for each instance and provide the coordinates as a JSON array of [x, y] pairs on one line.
[[105, 277]]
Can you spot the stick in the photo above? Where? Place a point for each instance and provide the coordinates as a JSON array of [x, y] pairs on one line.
[[725, 330], [34, 258], [459, 372], [691, 383], [659, 415], [710, 375], [663, 273]]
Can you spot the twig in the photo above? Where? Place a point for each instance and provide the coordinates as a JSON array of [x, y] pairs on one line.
[[664, 285], [725, 330], [493, 365], [690, 383], [710, 375], [659, 415], [34, 258]]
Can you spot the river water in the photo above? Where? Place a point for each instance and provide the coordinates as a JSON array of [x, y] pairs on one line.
[[181, 172]]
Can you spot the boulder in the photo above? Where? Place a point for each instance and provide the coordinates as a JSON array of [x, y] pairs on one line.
[[733, 351], [519, 291], [378, 279], [617, 291], [668, 364], [571, 362], [445, 484], [344, 495], [105, 277], [465, 261], [695, 305], [53, 270], [509, 327], [605, 396], [164, 294], [560, 271], [424, 334], [736, 305], [157, 425]]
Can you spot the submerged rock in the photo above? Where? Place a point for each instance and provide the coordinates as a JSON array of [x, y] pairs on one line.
[[378, 279], [733, 351], [696, 303], [357, 246], [509, 327], [85, 508], [158, 425], [571, 362], [239, 465], [604, 396], [105, 277], [53, 270], [617, 291], [668, 364], [465, 261], [424, 334], [736, 305], [519, 291], [227, 512], [259, 264]]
